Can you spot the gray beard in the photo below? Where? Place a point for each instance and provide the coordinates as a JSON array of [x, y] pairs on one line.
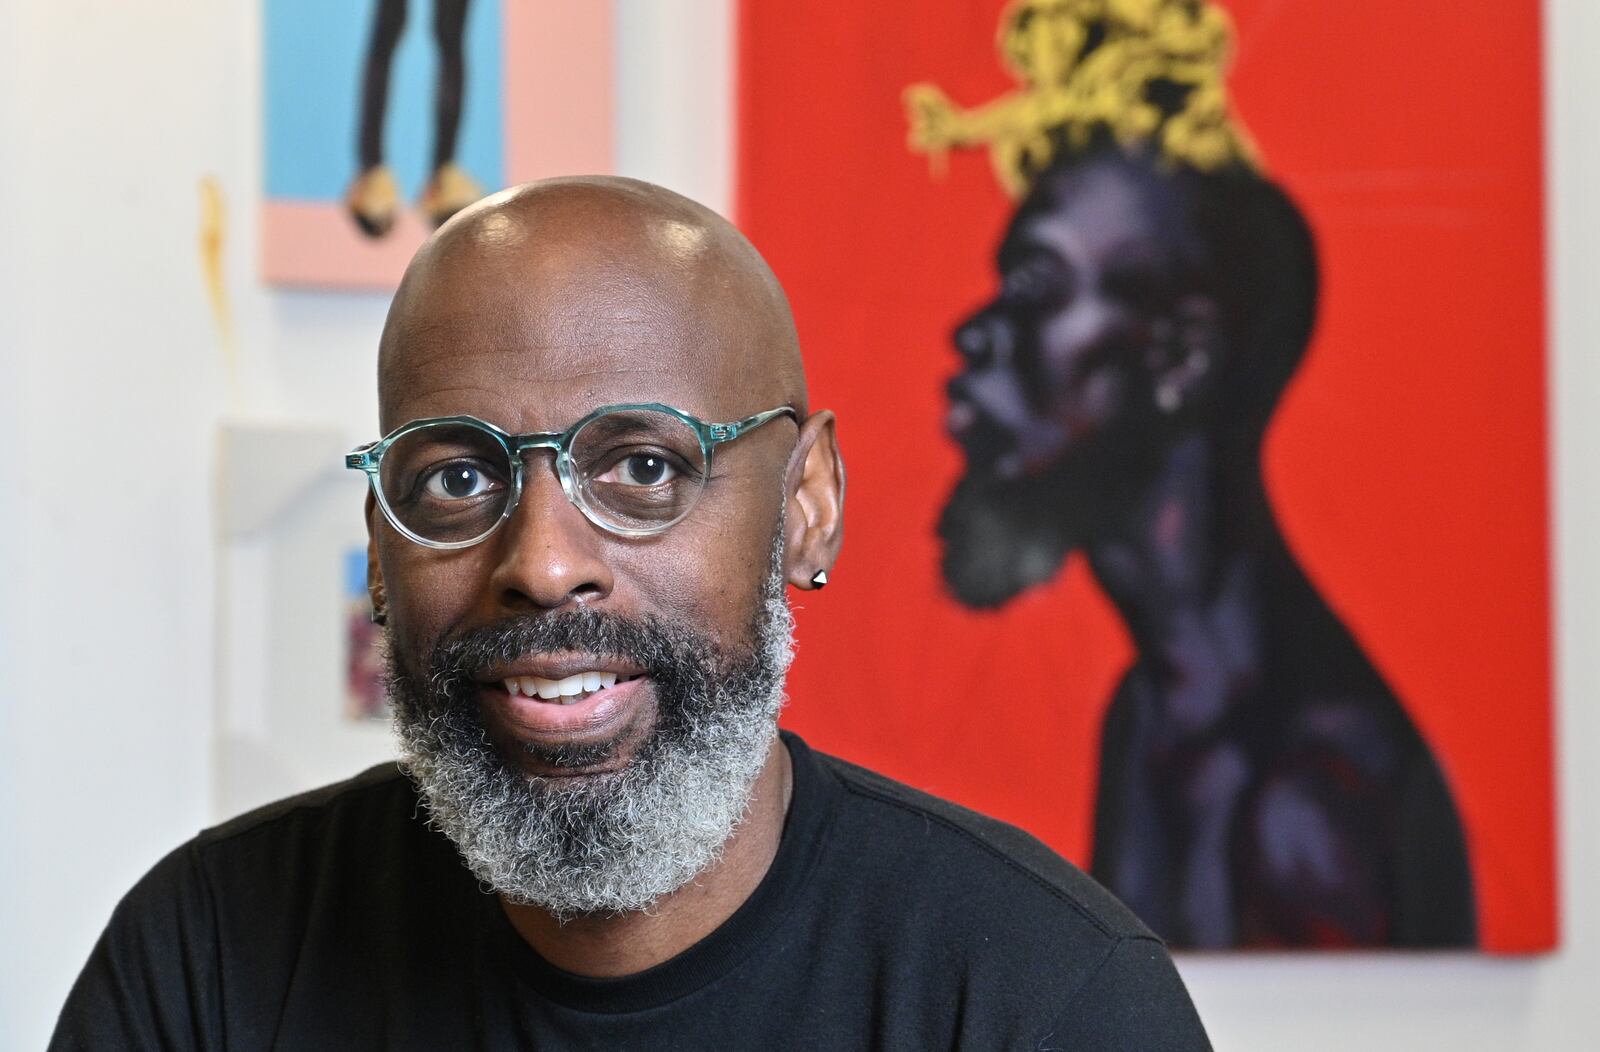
[[604, 843]]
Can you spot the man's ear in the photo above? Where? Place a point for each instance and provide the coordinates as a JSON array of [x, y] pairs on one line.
[[813, 527], [375, 590], [1191, 354]]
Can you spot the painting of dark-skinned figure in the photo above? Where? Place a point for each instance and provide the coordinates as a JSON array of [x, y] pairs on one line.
[[1260, 782], [1188, 361]]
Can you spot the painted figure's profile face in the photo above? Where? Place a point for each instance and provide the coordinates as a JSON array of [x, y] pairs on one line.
[[1071, 375]]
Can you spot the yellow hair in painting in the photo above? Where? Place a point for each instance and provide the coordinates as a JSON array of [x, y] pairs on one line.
[[1135, 71]]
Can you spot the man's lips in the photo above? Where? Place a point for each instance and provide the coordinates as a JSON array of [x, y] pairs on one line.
[[560, 678], [558, 666], [562, 697], [565, 691]]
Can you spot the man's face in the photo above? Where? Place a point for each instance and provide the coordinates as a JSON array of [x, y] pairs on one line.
[[475, 343], [612, 799], [1057, 397]]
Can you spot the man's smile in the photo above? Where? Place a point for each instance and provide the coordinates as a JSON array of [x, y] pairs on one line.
[[560, 677], [564, 699], [568, 691]]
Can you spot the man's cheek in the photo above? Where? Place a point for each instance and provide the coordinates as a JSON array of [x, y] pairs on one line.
[[408, 650], [709, 597], [426, 602], [708, 570]]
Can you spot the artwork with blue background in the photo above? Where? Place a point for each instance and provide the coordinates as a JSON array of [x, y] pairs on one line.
[[408, 92]]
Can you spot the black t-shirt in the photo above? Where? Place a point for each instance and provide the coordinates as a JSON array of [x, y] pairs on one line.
[[889, 920]]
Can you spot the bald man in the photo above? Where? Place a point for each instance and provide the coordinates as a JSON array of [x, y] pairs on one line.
[[600, 476]]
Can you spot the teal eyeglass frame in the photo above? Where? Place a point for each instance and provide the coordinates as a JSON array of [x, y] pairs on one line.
[[367, 458]]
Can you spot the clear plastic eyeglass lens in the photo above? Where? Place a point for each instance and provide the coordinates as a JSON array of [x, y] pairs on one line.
[[447, 482], [638, 469]]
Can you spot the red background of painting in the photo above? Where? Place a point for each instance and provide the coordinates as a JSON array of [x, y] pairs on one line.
[[1407, 461]]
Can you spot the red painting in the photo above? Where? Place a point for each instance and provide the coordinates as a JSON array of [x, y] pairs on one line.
[[1189, 365]]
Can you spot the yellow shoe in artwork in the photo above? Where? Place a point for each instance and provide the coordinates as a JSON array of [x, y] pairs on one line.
[[374, 200], [449, 191]]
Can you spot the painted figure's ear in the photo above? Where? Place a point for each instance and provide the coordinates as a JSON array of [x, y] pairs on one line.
[[814, 520], [375, 590], [1192, 355]]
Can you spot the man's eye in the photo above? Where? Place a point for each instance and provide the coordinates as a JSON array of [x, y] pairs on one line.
[[640, 469], [458, 481]]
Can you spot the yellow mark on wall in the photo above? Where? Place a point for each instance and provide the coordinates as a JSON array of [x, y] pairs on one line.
[[213, 240]]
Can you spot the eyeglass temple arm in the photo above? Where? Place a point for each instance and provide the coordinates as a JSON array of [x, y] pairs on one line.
[[360, 458], [728, 432]]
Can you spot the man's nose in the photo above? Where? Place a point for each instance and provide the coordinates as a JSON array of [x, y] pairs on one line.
[[550, 554], [984, 340]]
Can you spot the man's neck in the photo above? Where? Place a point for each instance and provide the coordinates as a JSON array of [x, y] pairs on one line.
[[607, 946]]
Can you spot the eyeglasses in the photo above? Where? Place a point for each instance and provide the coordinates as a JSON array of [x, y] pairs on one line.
[[634, 469]]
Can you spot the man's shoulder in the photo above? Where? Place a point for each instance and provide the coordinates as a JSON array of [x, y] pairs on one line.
[[254, 851], [951, 850], [379, 790], [211, 937], [338, 847], [1041, 952]]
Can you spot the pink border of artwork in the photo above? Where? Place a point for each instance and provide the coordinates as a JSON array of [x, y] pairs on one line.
[[559, 105]]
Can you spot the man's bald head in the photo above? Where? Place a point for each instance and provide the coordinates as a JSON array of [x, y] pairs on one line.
[[581, 280]]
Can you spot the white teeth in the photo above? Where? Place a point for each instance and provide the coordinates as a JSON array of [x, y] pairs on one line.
[[568, 689]]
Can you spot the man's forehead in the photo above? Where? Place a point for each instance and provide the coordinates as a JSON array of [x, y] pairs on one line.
[[545, 331], [527, 378], [574, 294]]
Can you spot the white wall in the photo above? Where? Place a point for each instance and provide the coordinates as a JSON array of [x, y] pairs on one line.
[[104, 515], [111, 388]]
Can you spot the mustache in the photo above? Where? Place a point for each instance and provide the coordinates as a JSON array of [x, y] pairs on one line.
[[677, 659], [645, 642]]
